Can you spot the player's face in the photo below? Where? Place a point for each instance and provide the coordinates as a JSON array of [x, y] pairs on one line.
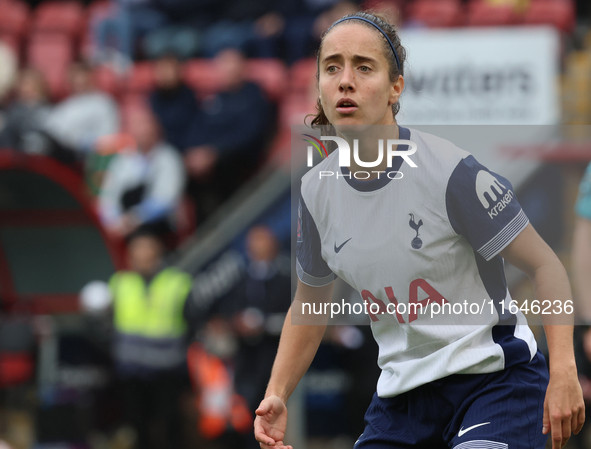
[[354, 82]]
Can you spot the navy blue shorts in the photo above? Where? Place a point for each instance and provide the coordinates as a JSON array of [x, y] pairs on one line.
[[464, 411]]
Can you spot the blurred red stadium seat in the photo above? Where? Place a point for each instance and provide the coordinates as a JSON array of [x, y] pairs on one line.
[[140, 79], [302, 75], [558, 13], [436, 13], [12, 41], [14, 22], [280, 150], [64, 16], [15, 16], [483, 13], [107, 80], [294, 109], [52, 54], [292, 112], [270, 74], [392, 9], [96, 11]]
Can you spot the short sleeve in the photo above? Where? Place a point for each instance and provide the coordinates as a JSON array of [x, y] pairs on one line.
[[310, 266], [482, 207], [583, 204]]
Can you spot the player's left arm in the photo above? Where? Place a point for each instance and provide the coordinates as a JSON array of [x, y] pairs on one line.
[[564, 408]]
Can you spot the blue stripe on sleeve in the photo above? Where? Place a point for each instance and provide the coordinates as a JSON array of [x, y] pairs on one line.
[[311, 267]]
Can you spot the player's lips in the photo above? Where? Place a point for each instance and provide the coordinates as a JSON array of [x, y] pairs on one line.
[[346, 106]]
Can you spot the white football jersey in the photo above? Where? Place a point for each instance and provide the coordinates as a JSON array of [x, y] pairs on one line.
[[431, 237]]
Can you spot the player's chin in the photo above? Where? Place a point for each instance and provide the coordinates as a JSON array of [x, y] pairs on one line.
[[348, 120]]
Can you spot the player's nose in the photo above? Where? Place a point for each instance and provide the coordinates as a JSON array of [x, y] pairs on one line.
[[347, 79]]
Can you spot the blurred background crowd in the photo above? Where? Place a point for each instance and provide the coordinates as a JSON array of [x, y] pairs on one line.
[[146, 206]]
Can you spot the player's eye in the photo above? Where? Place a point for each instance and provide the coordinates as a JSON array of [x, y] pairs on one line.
[[364, 68], [331, 69]]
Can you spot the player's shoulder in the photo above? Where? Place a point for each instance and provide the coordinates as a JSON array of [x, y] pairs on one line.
[[431, 146], [438, 159], [311, 180]]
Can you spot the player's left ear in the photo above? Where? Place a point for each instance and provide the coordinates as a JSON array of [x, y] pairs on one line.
[[396, 89]]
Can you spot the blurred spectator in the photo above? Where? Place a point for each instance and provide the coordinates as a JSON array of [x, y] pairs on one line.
[[143, 187], [289, 29], [156, 27], [245, 325], [331, 15], [252, 27], [305, 21], [172, 101], [151, 315], [226, 138], [256, 308], [25, 118], [581, 252], [183, 35], [87, 114], [126, 21], [8, 69], [581, 266]]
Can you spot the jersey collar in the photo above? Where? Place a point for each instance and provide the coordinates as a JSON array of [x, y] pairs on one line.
[[378, 183]]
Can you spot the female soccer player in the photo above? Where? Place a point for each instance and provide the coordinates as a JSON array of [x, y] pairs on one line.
[[437, 235]]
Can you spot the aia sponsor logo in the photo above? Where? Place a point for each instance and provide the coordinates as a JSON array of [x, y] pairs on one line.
[[415, 306]]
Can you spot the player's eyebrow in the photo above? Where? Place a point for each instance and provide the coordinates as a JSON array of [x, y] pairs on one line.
[[356, 58]]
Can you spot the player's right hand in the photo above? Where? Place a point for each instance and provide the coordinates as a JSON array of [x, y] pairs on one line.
[[270, 423]]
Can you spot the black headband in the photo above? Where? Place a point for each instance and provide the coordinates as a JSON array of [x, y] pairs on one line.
[[377, 27]]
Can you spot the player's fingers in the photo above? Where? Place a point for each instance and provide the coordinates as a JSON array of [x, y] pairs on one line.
[[574, 422], [545, 421], [581, 420], [261, 436], [280, 445], [266, 441], [556, 431], [566, 429]]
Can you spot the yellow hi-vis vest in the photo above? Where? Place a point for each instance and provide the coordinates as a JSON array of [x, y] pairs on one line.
[[154, 310], [149, 320]]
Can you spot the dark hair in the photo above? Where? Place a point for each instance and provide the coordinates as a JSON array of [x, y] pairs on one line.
[[382, 22], [144, 231]]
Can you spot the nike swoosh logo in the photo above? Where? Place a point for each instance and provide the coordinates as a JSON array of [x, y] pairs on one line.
[[338, 248], [463, 431]]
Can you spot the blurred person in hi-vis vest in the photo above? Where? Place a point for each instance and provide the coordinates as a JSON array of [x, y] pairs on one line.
[[151, 316]]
